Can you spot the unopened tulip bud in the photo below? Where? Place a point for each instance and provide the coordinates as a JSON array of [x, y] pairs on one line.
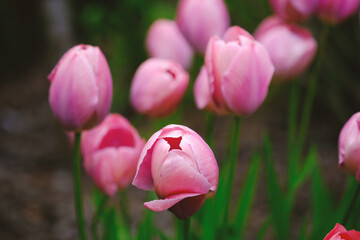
[[335, 11], [158, 86], [81, 88], [340, 233], [292, 48], [294, 10], [180, 167], [200, 20], [164, 40], [349, 146], [111, 152]]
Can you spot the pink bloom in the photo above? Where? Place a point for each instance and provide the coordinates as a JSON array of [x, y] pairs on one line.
[[335, 11], [340, 233], [294, 10], [111, 152], [81, 88], [199, 20], [182, 169], [349, 146], [291, 47], [164, 40], [158, 86], [237, 76]]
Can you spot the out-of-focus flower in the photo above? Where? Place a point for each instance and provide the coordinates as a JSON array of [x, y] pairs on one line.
[[335, 11], [182, 169], [158, 86], [164, 40], [291, 47], [340, 233], [294, 10], [199, 20], [81, 88], [349, 146], [111, 152], [237, 76]]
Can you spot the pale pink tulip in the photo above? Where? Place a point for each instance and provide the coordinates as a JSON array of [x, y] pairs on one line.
[[158, 86], [292, 48], [340, 233], [335, 11], [81, 88], [111, 152], [237, 76], [349, 146], [199, 20], [180, 167], [294, 10], [164, 40]]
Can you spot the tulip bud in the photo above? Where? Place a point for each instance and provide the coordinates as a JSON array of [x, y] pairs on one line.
[[349, 146], [182, 169], [291, 47], [239, 71], [81, 88], [164, 40], [294, 10], [335, 11], [158, 86], [111, 152], [200, 20], [340, 233]]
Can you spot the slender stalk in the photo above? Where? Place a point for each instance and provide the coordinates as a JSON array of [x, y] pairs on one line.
[[187, 229], [99, 211], [209, 132], [77, 187], [351, 206]]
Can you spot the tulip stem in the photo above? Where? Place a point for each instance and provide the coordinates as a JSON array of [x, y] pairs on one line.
[[351, 205], [209, 132], [124, 208], [77, 187], [99, 211], [187, 229]]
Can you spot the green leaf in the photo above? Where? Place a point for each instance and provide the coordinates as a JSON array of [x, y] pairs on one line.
[[264, 228]]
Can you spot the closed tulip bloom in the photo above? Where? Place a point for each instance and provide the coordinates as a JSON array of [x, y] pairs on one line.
[[294, 10], [238, 74], [180, 167], [158, 86], [340, 233], [349, 146], [81, 88], [335, 11], [111, 152], [292, 48], [199, 20], [164, 40]]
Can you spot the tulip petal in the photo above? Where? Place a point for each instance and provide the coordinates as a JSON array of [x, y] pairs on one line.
[[202, 91], [164, 204], [336, 230]]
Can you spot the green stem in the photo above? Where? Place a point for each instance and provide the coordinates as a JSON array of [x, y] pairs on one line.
[[124, 208], [187, 229], [351, 205], [99, 211], [209, 132], [77, 187]]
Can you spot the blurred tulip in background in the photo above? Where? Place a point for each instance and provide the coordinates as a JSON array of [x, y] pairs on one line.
[[294, 10], [335, 11]]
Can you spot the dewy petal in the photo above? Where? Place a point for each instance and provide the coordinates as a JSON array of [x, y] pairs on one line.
[[164, 204]]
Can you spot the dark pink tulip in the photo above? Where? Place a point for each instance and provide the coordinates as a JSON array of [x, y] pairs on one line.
[[158, 86], [111, 152], [349, 146], [292, 48], [237, 76], [294, 10], [81, 88], [164, 40], [335, 11], [199, 20], [182, 169], [340, 233]]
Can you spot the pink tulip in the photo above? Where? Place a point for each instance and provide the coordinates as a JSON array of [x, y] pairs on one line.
[[291, 47], [335, 11], [349, 146], [158, 86], [294, 10], [182, 169], [199, 20], [111, 152], [81, 88], [164, 40], [340, 233], [237, 76]]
